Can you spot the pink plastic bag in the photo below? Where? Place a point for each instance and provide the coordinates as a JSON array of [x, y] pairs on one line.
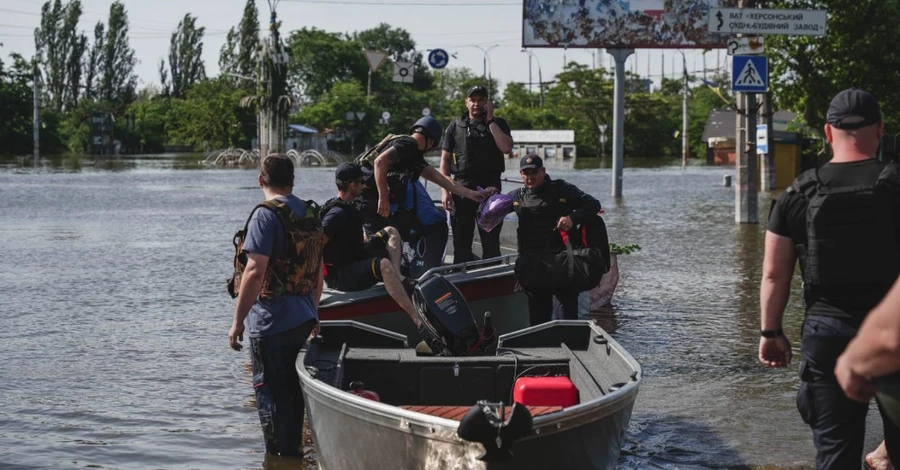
[[492, 210]]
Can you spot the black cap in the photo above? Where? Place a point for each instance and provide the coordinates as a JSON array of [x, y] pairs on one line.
[[853, 108], [348, 173], [530, 161], [476, 90]]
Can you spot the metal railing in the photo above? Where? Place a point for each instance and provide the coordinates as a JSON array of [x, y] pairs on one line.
[[464, 267]]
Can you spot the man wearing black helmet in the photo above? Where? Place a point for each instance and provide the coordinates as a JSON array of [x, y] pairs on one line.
[[473, 151], [397, 163]]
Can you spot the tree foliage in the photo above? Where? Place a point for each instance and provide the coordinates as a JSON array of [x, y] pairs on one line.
[[239, 54], [117, 79], [60, 49], [808, 71], [186, 65], [16, 101]]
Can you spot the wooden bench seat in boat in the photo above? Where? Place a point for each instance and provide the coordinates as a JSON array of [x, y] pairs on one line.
[[456, 413]]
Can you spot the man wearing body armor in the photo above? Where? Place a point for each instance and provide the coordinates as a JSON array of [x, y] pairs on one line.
[[473, 151], [841, 222], [545, 207], [351, 262], [278, 283], [396, 165]]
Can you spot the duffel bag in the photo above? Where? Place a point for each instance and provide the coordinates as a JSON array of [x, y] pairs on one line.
[[571, 271]]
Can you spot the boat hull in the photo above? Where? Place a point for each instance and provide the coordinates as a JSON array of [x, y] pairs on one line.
[[353, 433], [381, 441]]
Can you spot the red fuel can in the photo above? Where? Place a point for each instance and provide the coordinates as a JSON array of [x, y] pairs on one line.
[[545, 391], [357, 388]]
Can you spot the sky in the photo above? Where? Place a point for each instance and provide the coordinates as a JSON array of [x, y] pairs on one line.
[[459, 27]]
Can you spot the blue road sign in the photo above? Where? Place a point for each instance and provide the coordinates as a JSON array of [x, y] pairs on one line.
[[750, 74], [438, 58]]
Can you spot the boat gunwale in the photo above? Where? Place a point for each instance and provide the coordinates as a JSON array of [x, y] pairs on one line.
[[589, 411]]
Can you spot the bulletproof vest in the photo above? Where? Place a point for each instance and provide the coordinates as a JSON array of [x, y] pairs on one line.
[[538, 215], [475, 151], [296, 270], [347, 246], [851, 234]]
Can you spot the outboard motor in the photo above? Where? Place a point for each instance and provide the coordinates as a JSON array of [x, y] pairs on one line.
[[449, 327]]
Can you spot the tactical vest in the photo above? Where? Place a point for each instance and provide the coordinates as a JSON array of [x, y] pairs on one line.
[[368, 157], [538, 216], [476, 152], [339, 252], [851, 233], [296, 270]]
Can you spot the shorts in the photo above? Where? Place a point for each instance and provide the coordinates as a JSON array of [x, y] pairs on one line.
[[357, 276]]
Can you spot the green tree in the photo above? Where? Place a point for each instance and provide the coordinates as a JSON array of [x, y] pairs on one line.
[[16, 101], [330, 112], [210, 114], [810, 70], [151, 113], [92, 63], [320, 59], [60, 49], [185, 58], [239, 54], [117, 78]]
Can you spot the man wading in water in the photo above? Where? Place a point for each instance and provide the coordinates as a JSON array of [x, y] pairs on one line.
[[278, 284]]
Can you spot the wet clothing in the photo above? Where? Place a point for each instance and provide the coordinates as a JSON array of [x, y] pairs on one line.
[[835, 309], [477, 162], [279, 398], [349, 267], [266, 236], [539, 211], [278, 328], [540, 306], [838, 423]]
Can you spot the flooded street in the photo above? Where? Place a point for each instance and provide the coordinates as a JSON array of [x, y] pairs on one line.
[[115, 319]]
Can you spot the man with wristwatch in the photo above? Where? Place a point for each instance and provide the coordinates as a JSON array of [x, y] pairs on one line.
[[841, 222]]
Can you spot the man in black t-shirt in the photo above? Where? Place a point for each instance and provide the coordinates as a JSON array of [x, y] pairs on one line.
[[352, 264], [473, 151], [841, 222], [397, 170]]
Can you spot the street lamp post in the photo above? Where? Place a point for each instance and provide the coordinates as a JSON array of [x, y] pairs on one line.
[[486, 64], [540, 77], [685, 117]]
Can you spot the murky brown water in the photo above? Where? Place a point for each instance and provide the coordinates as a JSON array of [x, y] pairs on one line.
[[115, 320]]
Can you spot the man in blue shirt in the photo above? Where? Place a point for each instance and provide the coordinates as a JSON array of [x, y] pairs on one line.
[[278, 294]]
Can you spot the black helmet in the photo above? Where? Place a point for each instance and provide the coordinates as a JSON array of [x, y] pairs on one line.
[[447, 320], [430, 127]]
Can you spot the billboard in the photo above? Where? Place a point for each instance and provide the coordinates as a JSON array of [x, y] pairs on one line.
[[645, 24]]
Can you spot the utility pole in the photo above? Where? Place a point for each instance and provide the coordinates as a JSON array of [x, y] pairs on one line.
[[37, 113], [685, 118], [620, 56], [746, 198]]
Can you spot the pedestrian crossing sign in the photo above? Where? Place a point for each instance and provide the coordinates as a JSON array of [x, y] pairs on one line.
[[750, 74]]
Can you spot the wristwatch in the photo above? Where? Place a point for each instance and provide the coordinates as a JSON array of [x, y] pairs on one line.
[[490, 121], [771, 333]]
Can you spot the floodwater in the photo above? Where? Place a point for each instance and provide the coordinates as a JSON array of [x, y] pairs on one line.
[[115, 318]]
